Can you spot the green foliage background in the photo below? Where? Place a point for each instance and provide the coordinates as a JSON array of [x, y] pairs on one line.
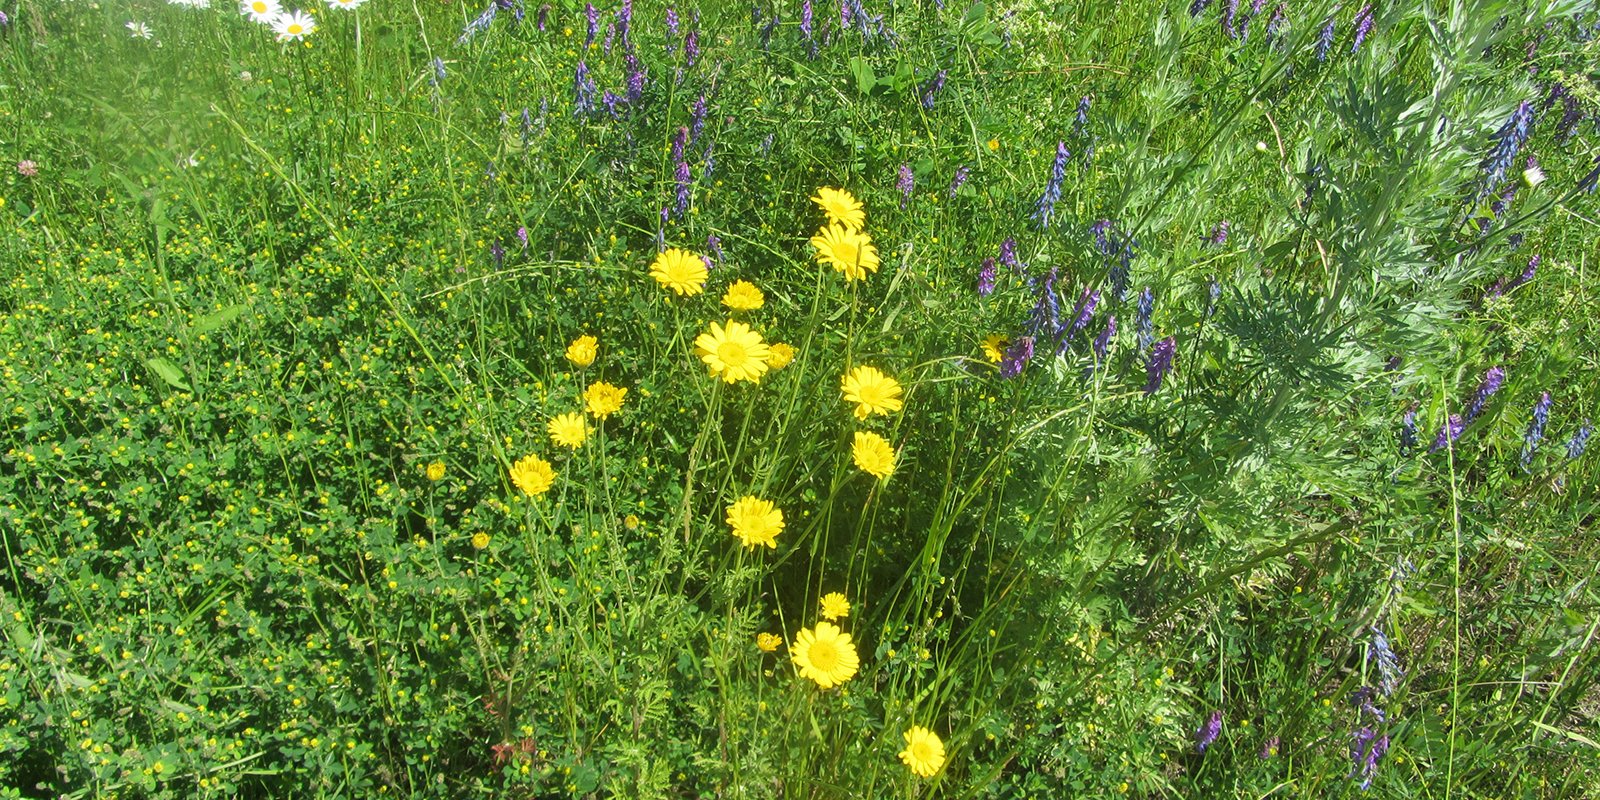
[[250, 295]]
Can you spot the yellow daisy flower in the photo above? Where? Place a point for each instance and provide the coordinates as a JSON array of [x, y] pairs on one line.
[[834, 606], [825, 655], [733, 351], [841, 207], [924, 753], [872, 391], [602, 399], [768, 642], [583, 350], [679, 270], [743, 296], [873, 454], [994, 348], [436, 471], [568, 430], [779, 355], [847, 251], [755, 521], [480, 540], [533, 475]]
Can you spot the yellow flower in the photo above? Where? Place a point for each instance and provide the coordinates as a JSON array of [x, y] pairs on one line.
[[583, 350], [568, 430], [768, 642], [533, 475], [994, 348], [873, 454], [602, 399], [847, 251], [924, 753], [872, 391], [755, 521], [825, 655], [679, 270], [841, 207], [779, 355], [480, 540], [834, 606], [733, 351], [436, 471], [631, 522], [994, 145], [743, 296]]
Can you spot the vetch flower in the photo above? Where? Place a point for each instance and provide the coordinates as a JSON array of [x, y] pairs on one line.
[[1219, 234], [682, 178], [959, 180], [679, 270], [1017, 357], [1536, 425], [931, 89], [1102, 345], [841, 207], [1045, 206], [1045, 318], [602, 399], [872, 391], [1389, 671], [1207, 733], [986, 278], [743, 295], [768, 642], [583, 91], [1008, 254], [1508, 140], [873, 454], [1363, 27], [835, 606], [733, 352], [779, 355], [1490, 384], [1365, 752], [1325, 40], [1160, 364], [583, 350], [1081, 314], [568, 430], [905, 184], [533, 475], [924, 753], [592, 15], [1580, 440], [1449, 432], [1143, 325], [1408, 431], [1080, 123], [292, 26], [994, 347], [755, 521], [848, 252], [825, 655]]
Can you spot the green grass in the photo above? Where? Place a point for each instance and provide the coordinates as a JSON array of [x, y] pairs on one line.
[[251, 295]]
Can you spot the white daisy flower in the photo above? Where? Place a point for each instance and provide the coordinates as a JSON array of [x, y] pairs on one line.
[[1533, 176], [292, 26], [262, 11], [347, 5], [139, 30]]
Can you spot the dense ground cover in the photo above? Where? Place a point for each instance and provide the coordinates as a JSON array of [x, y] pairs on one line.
[[1233, 375]]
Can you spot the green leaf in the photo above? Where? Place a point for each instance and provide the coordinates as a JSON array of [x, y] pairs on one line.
[[217, 319], [866, 79], [169, 372]]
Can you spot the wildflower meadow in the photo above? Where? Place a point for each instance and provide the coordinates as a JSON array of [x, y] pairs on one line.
[[799, 399]]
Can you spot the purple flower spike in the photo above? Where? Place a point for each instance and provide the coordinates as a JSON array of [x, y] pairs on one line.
[[714, 245], [1325, 40], [683, 181], [1449, 432], [1490, 384], [1275, 23], [543, 18], [1535, 433], [497, 253], [931, 90], [986, 278], [680, 141], [1230, 16], [1508, 141], [592, 14], [1102, 344], [905, 184], [1408, 431], [958, 181], [1045, 207], [1008, 254], [1160, 364], [1082, 313], [1208, 732], [522, 236], [1367, 749], [1143, 324], [1101, 230], [1198, 7], [1219, 234], [1016, 357], [1363, 27], [1080, 124], [583, 92], [1045, 318], [806, 29], [1580, 440]]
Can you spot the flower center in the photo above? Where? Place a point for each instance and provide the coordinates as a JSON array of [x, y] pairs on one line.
[[824, 656], [259, 8], [846, 251], [295, 28], [922, 751], [732, 354]]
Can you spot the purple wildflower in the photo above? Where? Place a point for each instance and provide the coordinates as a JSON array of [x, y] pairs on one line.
[[986, 278], [958, 181], [1080, 123], [1527, 274], [438, 75], [1208, 732], [636, 78], [697, 119], [1536, 425], [1230, 15], [1045, 318], [1008, 254], [1219, 235], [806, 29], [1101, 230], [710, 163], [1571, 115], [4, 20], [1198, 7], [1486, 388], [1275, 23], [1249, 17], [611, 102], [1408, 431], [1123, 269], [1102, 343], [624, 23], [714, 247], [522, 236], [1143, 325], [767, 30], [498, 254], [593, 16], [1366, 751], [931, 89], [583, 91], [680, 142], [1508, 140], [1580, 440], [1045, 207], [682, 178], [661, 229], [1016, 357], [905, 184], [1449, 432], [1160, 364], [672, 30], [543, 18], [1213, 293], [1081, 314], [1389, 671], [691, 48], [1269, 748], [1363, 27], [478, 25], [1325, 40], [766, 145]]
